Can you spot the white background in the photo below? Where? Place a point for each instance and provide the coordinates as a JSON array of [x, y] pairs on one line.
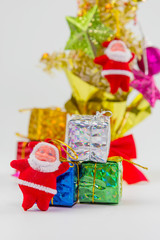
[[27, 30]]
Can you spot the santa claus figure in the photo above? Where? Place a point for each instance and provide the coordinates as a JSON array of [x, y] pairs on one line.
[[38, 173], [115, 63]]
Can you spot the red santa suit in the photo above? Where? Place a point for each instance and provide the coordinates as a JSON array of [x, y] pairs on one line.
[[37, 179], [115, 63]]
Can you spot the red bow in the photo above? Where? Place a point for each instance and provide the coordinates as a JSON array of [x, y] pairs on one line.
[[125, 147]]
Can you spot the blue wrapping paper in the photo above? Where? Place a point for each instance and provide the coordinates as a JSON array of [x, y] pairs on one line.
[[67, 188]]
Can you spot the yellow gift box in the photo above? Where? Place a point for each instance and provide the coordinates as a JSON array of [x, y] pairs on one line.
[[46, 123]]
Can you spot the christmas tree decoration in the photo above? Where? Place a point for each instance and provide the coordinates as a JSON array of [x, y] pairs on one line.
[[115, 63], [100, 182], [46, 123], [153, 61], [38, 173], [99, 67], [79, 63], [87, 32], [145, 84], [118, 15], [89, 136]]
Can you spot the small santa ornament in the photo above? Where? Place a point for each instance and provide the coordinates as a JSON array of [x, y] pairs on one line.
[[115, 63], [38, 173]]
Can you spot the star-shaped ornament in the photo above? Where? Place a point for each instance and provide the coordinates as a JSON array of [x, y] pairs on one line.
[[87, 32], [145, 84]]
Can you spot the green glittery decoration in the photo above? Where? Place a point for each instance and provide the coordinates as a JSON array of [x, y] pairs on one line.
[[87, 32], [108, 182]]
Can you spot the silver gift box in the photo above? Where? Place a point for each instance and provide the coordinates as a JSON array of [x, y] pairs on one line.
[[89, 137]]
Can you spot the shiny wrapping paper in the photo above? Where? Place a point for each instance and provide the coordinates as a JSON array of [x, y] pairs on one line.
[[146, 85], [67, 188], [87, 99], [153, 61], [47, 123], [100, 182], [89, 137]]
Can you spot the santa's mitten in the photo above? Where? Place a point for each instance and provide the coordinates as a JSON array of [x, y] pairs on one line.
[[101, 60], [20, 165], [62, 168]]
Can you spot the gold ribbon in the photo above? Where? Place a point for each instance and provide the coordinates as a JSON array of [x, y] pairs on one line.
[[112, 159], [25, 109], [60, 144], [116, 15], [120, 159], [21, 135], [94, 180], [24, 144]]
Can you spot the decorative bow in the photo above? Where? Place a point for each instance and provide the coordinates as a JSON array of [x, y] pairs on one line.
[[125, 147], [100, 114]]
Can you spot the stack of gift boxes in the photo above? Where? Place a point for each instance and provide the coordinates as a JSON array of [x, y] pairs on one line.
[[91, 178]]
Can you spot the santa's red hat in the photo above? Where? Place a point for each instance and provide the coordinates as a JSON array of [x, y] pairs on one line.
[[32, 144], [106, 43]]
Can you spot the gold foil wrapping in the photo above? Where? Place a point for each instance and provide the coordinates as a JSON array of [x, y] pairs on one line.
[[136, 112], [88, 99], [47, 123]]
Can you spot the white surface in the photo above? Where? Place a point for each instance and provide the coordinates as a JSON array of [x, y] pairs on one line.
[[28, 29], [136, 217]]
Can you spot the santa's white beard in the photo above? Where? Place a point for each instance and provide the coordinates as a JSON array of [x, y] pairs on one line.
[[118, 56], [43, 166]]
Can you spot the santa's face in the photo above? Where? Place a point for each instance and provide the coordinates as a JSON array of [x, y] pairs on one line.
[[118, 51], [117, 47], [46, 153]]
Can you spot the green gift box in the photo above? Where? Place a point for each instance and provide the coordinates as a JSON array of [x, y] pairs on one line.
[[100, 182]]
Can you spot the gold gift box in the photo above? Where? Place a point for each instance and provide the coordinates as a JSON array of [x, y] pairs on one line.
[[47, 123]]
